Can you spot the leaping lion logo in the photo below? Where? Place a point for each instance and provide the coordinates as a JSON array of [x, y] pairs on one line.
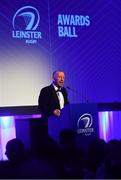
[[87, 119]]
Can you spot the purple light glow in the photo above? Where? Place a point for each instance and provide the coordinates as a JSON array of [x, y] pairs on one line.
[[7, 132], [28, 116], [109, 125]]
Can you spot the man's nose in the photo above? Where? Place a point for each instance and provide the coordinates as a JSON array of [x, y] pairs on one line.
[[62, 79]]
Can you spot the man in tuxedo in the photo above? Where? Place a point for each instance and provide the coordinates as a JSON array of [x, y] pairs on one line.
[[54, 97]]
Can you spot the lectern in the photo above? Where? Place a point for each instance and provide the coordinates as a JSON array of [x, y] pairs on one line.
[[82, 118]]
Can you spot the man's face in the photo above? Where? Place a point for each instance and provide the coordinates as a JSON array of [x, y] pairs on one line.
[[59, 78]]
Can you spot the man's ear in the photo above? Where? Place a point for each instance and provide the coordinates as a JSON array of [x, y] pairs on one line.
[[53, 80]]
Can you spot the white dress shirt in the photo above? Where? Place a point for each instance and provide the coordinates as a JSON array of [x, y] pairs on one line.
[[60, 97]]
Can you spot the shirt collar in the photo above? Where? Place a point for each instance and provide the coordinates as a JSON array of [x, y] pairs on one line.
[[55, 87]]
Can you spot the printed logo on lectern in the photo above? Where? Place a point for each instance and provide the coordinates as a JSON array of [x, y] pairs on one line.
[[84, 124], [25, 23]]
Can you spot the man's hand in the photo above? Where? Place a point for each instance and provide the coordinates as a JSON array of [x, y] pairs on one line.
[[57, 112]]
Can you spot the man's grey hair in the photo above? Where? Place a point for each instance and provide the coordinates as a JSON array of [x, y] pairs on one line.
[[59, 70]]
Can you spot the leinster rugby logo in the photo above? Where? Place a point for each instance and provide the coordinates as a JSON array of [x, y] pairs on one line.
[[84, 124], [25, 24]]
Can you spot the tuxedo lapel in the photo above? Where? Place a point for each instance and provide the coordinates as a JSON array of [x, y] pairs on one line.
[[55, 97]]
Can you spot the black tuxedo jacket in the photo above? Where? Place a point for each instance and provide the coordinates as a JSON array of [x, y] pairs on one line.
[[48, 100]]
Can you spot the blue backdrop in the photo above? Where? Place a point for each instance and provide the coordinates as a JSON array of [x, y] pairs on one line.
[[79, 36]]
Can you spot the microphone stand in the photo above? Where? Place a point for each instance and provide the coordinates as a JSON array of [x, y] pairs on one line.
[[81, 95]]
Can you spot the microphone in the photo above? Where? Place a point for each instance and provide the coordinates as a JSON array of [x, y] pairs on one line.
[[80, 94]]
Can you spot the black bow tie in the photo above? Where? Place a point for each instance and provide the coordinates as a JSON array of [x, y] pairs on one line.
[[59, 90]]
